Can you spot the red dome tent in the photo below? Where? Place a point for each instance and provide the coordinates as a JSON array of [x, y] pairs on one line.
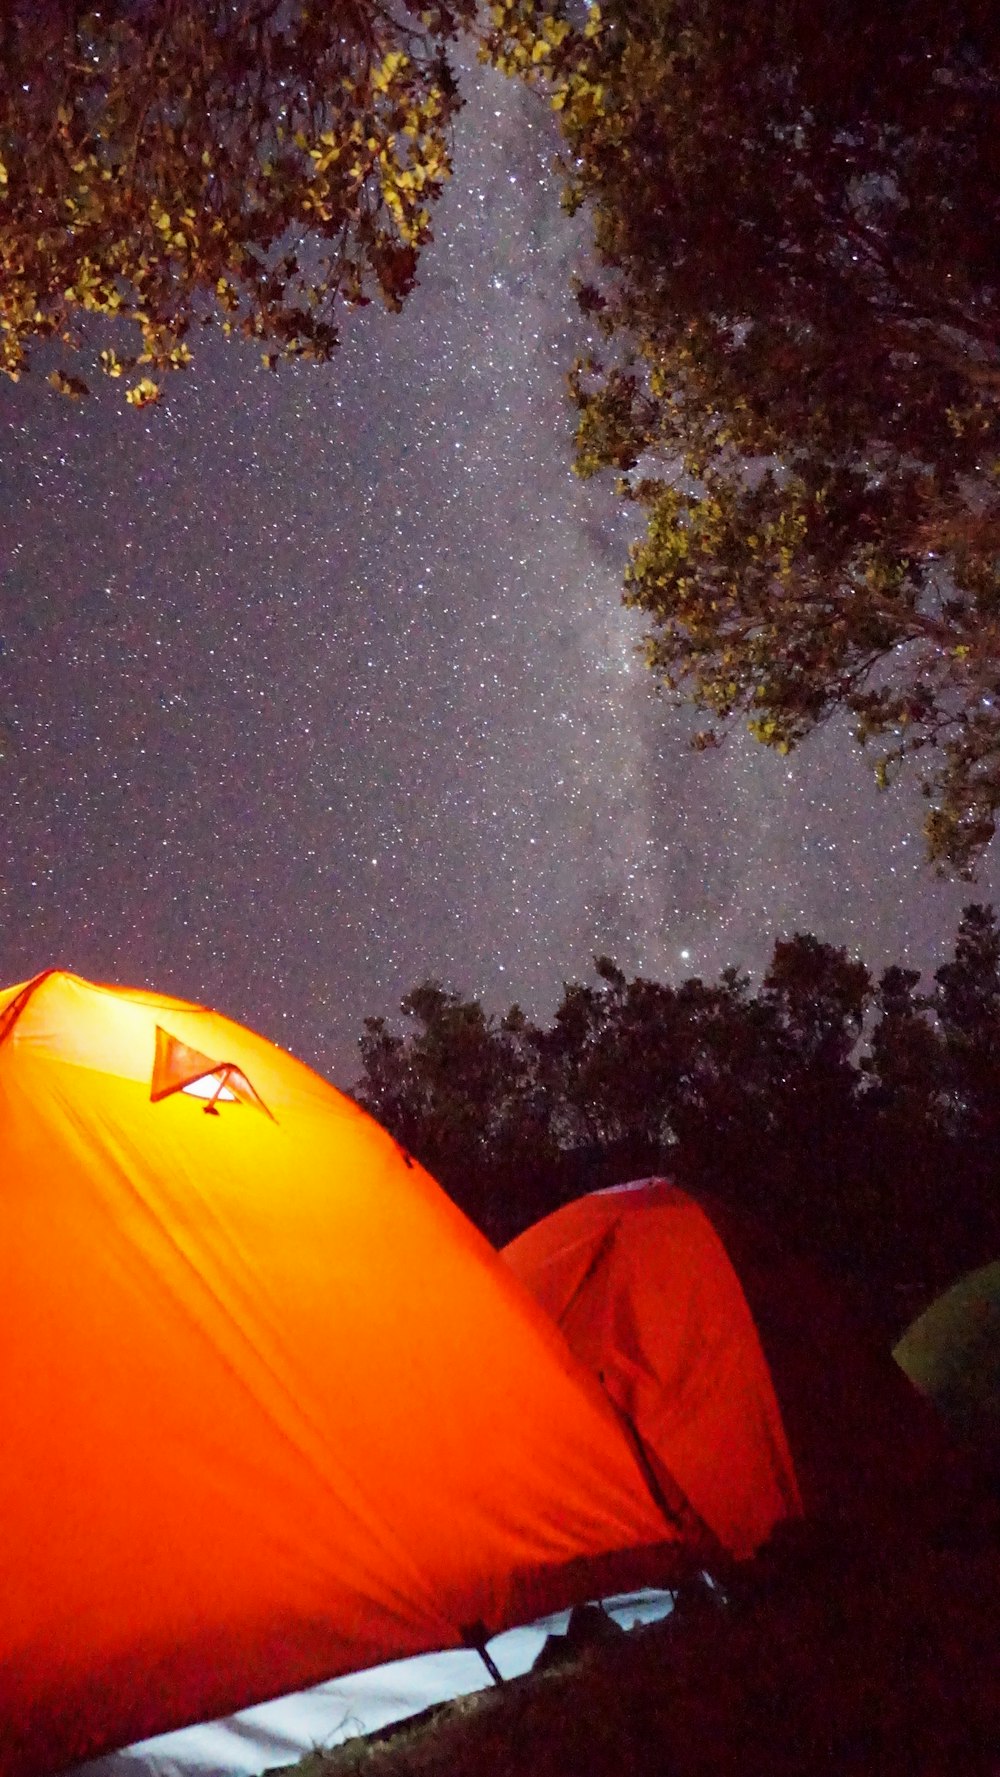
[[640, 1284], [271, 1409], [748, 1385]]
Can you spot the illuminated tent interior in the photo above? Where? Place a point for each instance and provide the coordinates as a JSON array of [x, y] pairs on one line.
[[744, 1377], [272, 1409]]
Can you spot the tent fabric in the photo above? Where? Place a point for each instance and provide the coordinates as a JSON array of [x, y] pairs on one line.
[[288, 1729], [754, 1378], [272, 1409], [870, 1454], [951, 1353], [640, 1283]]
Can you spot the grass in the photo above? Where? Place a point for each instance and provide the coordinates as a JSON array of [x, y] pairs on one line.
[[824, 1660]]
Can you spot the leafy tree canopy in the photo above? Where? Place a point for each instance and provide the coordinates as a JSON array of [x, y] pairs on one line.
[[796, 223], [796, 214], [164, 164]]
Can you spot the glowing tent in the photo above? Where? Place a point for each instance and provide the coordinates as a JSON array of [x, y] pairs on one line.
[[751, 1390], [271, 1408]]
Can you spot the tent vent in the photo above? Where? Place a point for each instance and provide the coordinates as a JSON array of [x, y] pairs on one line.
[[179, 1068], [212, 1088]]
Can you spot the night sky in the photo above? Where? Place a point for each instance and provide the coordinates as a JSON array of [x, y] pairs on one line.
[[316, 685]]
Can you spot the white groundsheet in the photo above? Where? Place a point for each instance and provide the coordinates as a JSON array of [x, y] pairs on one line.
[[286, 1729]]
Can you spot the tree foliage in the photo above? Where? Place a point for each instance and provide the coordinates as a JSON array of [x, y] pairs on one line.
[[165, 164], [795, 218], [860, 1118], [796, 215], [461, 1091]]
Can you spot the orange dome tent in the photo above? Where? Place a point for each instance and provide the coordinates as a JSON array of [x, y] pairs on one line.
[[749, 1386], [271, 1409]]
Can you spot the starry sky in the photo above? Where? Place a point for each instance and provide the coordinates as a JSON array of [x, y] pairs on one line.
[[316, 685]]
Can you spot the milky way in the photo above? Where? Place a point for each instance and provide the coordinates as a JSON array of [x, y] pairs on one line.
[[317, 685]]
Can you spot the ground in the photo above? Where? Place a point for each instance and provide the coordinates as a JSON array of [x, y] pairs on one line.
[[825, 1658]]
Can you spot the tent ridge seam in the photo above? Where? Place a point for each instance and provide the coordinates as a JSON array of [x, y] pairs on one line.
[[11, 1013]]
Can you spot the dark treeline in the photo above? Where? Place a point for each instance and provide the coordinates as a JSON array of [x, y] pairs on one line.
[[860, 1118]]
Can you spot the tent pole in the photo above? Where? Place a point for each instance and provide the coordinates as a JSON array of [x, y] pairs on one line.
[[474, 1636], [680, 1513], [673, 1516]]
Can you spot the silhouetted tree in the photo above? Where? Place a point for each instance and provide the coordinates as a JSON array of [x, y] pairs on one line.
[[861, 1122], [967, 1005], [460, 1092], [607, 1063], [903, 1140]]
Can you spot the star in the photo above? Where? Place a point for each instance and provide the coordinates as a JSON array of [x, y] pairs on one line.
[[319, 684]]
